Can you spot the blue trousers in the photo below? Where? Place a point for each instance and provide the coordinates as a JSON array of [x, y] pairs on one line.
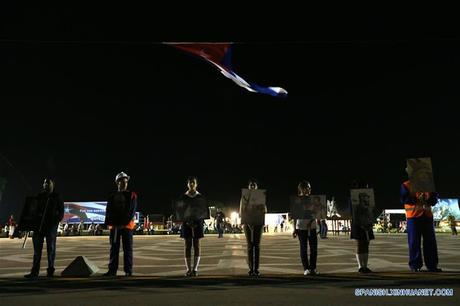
[[323, 230], [306, 240], [126, 236], [37, 240], [416, 229]]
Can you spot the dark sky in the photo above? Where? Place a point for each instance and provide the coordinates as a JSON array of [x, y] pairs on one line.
[[86, 94]]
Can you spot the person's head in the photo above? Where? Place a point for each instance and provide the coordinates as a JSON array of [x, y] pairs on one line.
[[122, 181], [364, 199], [252, 184], [316, 199], [359, 184], [192, 183], [48, 185], [304, 188]]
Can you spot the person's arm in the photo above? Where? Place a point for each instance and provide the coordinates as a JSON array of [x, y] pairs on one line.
[[241, 206], [296, 231], [133, 206], [406, 197], [433, 198], [60, 209]]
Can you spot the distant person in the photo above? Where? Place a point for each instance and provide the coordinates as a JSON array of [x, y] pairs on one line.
[[98, 230], [11, 227], [192, 229], [362, 227], [220, 223], [51, 214], [74, 229], [122, 233], [323, 229], [66, 229], [452, 224], [305, 230], [253, 232], [420, 225], [91, 229], [80, 228]]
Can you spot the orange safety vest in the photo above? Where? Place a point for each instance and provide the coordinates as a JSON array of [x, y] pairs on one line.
[[417, 209]]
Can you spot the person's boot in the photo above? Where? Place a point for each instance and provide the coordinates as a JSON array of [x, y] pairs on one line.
[[196, 263], [365, 257], [256, 261], [110, 273], [188, 265], [250, 261], [31, 275], [50, 272], [359, 259]]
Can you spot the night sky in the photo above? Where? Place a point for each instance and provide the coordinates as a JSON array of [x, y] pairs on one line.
[[85, 95]]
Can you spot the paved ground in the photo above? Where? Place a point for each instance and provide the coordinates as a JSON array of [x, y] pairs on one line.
[[159, 269]]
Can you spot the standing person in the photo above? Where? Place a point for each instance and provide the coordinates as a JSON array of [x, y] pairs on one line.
[[323, 233], [452, 224], [80, 227], [128, 199], [66, 229], [253, 230], [220, 219], [420, 225], [305, 230], [50, 216], [361, 228], [192, 228], [11, 227], [91, 229]]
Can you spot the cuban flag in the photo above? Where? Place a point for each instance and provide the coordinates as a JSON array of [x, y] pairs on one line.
[[219, 54]]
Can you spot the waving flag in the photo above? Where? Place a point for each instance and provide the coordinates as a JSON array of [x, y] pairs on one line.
[[219, 54]]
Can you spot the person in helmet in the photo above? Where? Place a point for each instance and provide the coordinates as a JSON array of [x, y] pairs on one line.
[[124, 232], [420, 225]]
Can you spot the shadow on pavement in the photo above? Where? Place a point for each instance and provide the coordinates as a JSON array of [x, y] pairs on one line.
[[43, 285]]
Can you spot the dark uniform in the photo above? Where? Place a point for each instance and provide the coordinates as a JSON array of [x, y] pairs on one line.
[[52, 214], [220, 217], [122, 232]]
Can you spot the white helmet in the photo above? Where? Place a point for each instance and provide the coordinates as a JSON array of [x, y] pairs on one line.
[[121, 175]]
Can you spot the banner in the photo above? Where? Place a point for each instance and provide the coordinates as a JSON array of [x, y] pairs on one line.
[[88, 212]]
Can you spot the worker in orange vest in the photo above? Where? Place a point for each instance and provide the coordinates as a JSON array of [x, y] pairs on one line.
[[420, 225], [127, 199]]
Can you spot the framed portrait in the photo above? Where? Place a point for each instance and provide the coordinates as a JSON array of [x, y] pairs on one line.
[[311, 207], [31, 215], [188, 208], [420, 174], [253, 206], [363, 204]]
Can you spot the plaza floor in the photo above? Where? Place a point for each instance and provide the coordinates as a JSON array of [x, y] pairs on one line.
[[159, 269]]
